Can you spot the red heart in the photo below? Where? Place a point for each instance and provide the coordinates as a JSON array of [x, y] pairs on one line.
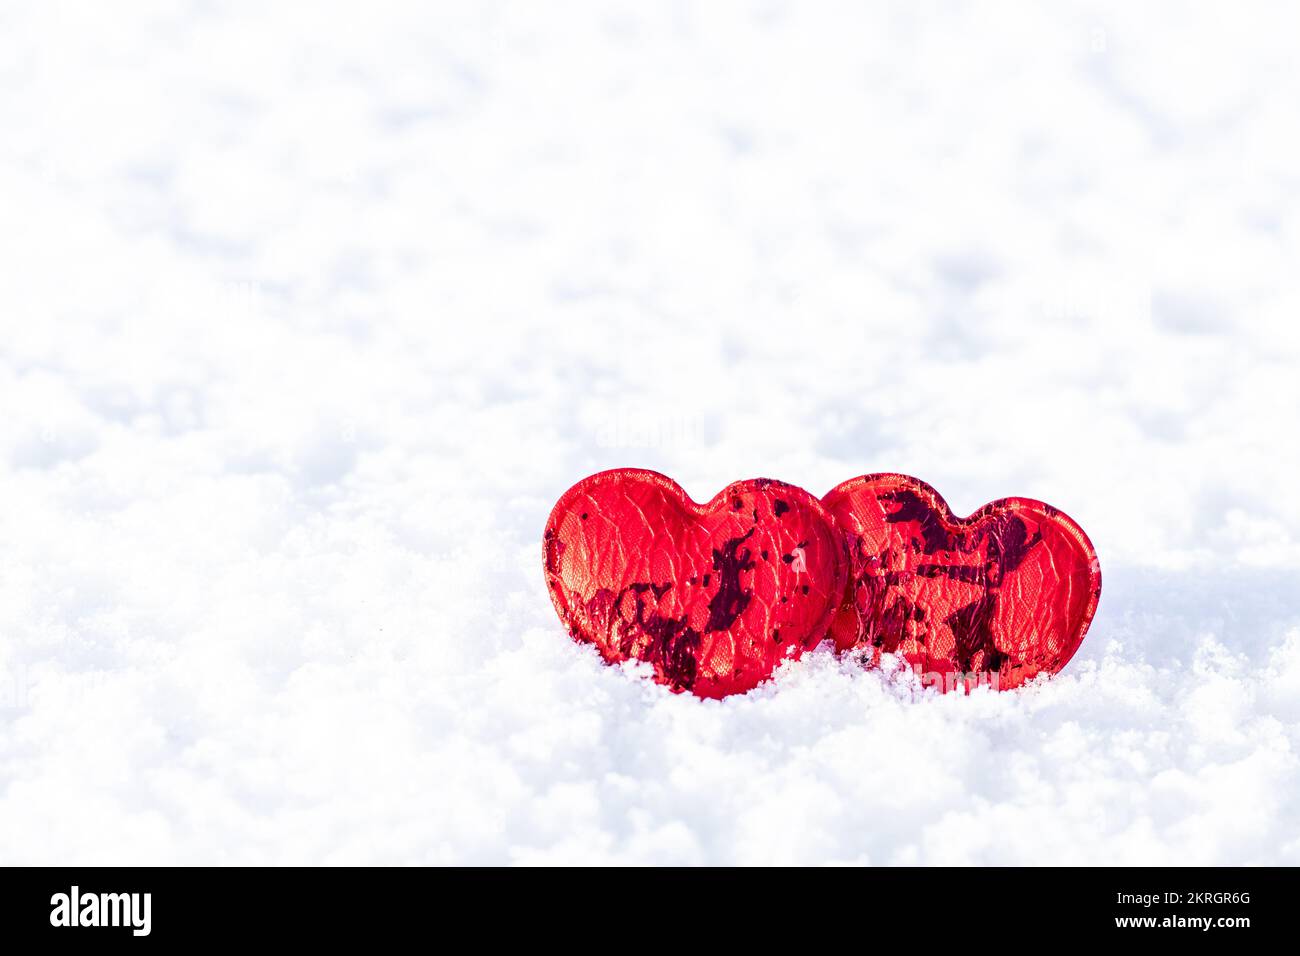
[[714, 596], [995, 598]]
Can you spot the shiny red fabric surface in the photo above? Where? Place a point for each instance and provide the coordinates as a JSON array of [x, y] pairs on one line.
[[995, 599], [713, 596]]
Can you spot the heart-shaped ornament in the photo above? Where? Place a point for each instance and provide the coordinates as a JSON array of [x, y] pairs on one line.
[[713, 596], [994, 599]]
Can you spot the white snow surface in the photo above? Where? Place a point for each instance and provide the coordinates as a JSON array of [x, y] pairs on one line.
[[309, 313]]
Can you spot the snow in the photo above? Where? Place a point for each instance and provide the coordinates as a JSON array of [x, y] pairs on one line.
[[310, 313]]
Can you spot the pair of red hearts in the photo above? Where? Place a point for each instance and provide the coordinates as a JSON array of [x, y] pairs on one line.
[[714, 596]]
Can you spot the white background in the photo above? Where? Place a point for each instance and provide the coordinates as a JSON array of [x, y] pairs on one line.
[[309, 314]]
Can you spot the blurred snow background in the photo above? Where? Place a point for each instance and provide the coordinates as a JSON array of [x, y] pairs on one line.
[[308, 314]]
